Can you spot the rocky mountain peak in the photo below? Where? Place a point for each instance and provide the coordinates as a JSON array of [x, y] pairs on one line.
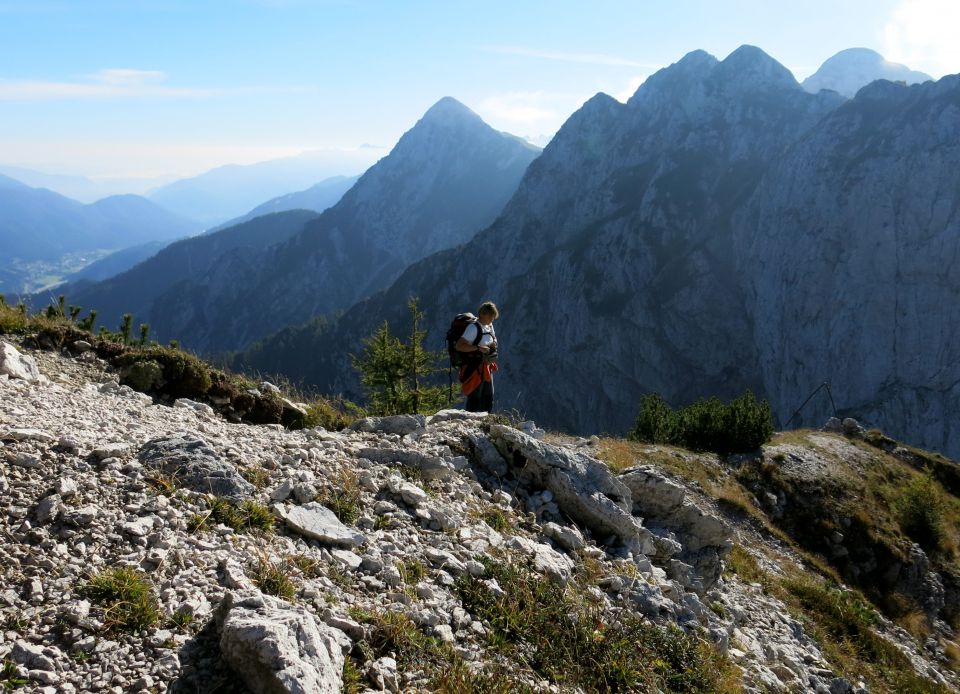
[[751, 67], [676, 77], [852, 68], [450, 113]]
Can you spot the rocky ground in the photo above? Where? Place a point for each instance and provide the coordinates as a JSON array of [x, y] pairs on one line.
[[95, 476]]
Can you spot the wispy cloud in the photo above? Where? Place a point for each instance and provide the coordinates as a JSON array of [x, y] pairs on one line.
[[922, 34], [119, 83], [633, 84], [523, 108], [538, 114], [584, 58]]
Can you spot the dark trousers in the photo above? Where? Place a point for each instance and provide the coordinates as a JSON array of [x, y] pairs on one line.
[[481, 399]]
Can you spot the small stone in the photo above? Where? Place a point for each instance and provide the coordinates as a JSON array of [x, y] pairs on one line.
[[49, 508]]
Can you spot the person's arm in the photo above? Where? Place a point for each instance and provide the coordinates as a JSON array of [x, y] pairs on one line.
[[465, 343], [468, 346]]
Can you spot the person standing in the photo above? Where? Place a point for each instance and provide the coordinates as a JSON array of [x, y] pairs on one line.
[[479, 347]]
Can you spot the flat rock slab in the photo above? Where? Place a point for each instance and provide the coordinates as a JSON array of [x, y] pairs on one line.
[[317, 521], [279, 648], [26, 435], [195, 465], [401, 424]]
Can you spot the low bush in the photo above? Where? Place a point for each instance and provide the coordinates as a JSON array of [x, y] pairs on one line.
[[741, 426], [920, 511], [128, 600], [567, 640], [184, 375]]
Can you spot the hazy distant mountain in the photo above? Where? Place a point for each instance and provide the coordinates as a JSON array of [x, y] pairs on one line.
[[40, 226], [181, 264], [80, 188], [316, 198], [231, 191], [447, 177], [117, 262], [853, 68]]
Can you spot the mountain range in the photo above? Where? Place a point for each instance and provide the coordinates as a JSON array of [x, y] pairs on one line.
[[40, 226], [723, 230], [448, 177]]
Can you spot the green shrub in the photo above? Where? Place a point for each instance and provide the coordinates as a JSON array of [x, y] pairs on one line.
[[706, 425], [920, 511], [127, 598], [9, 679], [145, 376], [656, 422], [184, 375], [324, 413]]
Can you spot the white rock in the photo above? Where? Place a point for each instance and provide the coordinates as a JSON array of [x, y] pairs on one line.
[[17, 365], [317, 521], [278, 647]]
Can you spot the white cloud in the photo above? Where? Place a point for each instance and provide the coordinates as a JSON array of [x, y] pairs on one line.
[[586, 58], [520, 108], [632, 86], [922, 34], [124, 83], [124, 76]]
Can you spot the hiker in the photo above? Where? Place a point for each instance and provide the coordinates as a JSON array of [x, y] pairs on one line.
[[478, 348]]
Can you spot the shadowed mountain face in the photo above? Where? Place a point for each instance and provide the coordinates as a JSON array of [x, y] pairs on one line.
[[447, 178], [180, 266], [699, 241], [851, 69]]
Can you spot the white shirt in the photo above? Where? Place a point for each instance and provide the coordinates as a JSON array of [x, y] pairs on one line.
[[487, 337]]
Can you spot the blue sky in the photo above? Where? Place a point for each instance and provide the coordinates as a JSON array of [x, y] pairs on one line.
[[121, 88]]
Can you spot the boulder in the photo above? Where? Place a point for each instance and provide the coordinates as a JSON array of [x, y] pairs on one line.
[[195, 465], [401, 424], [454, 416], [317, 521], [279, 648], [17, 365], [582, 487]]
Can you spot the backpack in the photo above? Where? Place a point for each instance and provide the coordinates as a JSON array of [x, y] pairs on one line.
[[457, 327]]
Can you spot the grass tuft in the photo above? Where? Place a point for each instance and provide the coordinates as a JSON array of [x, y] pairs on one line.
[[273, 578], [126, 595], [343, 498]]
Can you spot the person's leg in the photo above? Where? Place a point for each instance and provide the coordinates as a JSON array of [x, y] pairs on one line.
[[474, 403], [486, 396]]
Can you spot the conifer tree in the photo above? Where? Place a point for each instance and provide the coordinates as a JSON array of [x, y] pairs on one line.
[[396, 375]]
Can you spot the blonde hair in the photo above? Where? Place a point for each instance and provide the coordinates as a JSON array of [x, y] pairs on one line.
[[490, 309]]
